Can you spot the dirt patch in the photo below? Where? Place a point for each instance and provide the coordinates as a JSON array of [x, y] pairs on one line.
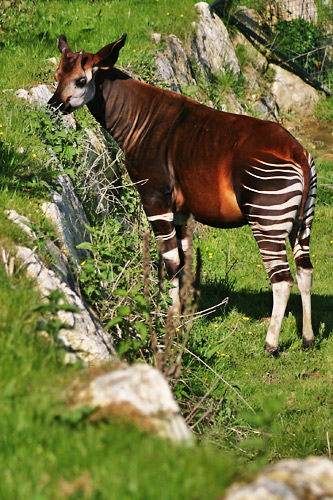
[[315, 135]]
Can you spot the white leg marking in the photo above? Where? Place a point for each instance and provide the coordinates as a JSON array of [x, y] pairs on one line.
[[174, 295], [281, 292], [185, 244], [304, 281], [172, 255]]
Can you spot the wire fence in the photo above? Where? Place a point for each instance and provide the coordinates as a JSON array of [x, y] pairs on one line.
[[302, 30]]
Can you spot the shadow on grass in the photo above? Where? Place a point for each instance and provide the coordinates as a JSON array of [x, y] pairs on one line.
[[258, 306]]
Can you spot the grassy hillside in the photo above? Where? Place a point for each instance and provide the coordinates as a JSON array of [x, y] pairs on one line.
[[245, 407]]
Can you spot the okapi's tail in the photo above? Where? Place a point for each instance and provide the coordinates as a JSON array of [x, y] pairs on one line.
[[309, 192]]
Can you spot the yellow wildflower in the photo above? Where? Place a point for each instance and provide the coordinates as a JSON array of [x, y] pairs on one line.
[[83, 263], [250, 333], [259, 266], [181, 15], [246, 319], [34, 155]]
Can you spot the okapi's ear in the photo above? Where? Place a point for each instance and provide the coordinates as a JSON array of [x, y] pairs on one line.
[[108, 55], [63, 45]]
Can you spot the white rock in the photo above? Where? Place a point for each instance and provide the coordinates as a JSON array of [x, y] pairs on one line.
[[85, 336], [156, 37], [175, 53], [211, 47], [289, 480], [291, 93], [23, 222], [293, 9], [69, 219], [52, 60], [40, 95], [165, 70], [144, 389]]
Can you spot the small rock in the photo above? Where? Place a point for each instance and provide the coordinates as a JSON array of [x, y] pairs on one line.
[[141, 394], [156, 37], [52, 60]]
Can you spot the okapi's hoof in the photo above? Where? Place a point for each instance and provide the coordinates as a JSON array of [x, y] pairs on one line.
[[271, 350], [307, 343]]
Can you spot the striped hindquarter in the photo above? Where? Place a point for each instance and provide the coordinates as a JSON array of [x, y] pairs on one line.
[[273, 192]]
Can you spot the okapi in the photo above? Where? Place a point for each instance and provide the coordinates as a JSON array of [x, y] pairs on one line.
[[227, 170]]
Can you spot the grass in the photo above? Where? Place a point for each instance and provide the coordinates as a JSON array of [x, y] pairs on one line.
[[246, 408], [31, 28], [48, 451]]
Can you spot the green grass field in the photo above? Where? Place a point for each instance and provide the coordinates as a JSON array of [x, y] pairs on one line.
[[246, 408]]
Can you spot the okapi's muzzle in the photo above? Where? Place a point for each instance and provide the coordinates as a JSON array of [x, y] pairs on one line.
[[64, 107]]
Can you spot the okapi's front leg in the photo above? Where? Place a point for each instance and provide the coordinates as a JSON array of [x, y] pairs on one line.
[[180, 222], [165, 231]]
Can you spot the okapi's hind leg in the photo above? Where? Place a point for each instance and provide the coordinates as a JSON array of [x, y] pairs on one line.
[[274, 255], [299, 240]]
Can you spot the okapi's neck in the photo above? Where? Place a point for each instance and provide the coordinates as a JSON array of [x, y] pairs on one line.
[[121, 105]]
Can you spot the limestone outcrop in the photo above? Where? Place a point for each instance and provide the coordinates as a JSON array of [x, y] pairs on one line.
[[291, 93], [211, 46]]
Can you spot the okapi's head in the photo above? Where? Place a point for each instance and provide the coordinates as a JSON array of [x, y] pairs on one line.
[[75, 74]]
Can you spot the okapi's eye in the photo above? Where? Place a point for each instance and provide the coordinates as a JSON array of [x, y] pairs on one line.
[[81, 82]]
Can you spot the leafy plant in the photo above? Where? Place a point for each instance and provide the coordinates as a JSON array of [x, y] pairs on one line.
[[303, 43]]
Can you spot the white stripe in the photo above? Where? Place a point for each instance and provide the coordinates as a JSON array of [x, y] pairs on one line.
[[277, 192], [271, 177], [271, 227], [292, 201], [278, 164], [274, 217], [166, 237], [282, 170], [168, 217]]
